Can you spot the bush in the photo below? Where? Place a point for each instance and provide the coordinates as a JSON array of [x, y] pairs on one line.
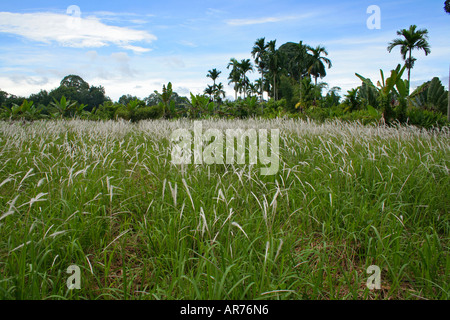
[[154, 112], [425, 118], [123, 113]]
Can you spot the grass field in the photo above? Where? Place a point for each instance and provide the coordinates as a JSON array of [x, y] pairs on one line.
[[105, 196]]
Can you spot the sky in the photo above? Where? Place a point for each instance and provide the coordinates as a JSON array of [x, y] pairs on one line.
[[136, 46]]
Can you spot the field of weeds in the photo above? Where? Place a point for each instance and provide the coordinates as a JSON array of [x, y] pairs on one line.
[[105, 197]]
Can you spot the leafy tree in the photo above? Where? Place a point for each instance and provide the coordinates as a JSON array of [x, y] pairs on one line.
[[74, 88], [166, 99], [127, 98], [74, 81], [352, 100], [412, 39], [3, 97], [447, 6], [42, 97]]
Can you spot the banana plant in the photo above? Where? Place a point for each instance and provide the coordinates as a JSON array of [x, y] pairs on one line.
[[26, 110], [392, 85], [200, 104], [63, 106], [392, 91]]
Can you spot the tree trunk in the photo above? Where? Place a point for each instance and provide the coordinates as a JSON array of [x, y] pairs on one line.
[[448, 108], [409, 71], [275, 87]]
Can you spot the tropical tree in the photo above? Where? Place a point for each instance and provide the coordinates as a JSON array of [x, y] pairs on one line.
[[63, 106], [274, 65], [317, 62], [209, 91], [166, 104], [219, 93], [447, 6], [391, 90], [245, 66], [213, 74], [259, 52], [412, 39], [235, 75]]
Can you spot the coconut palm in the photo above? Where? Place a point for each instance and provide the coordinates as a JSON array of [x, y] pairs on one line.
[[412, 39], [317, 62]]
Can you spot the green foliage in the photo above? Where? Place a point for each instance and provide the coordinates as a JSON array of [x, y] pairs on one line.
[[122, 112], [431, 96], [107, 110], [352, 100], [64, 107], [74, 88], [26, 111], [390, 90], [200, 106], [165, 97], [147, 113], [274, 109], [426, 118]]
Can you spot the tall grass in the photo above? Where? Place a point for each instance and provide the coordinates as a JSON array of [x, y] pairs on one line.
[[106, 197]]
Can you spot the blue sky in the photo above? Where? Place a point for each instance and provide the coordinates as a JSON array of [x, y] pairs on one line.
[[134, 47]]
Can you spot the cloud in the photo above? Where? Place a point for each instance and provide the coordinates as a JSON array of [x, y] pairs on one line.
[[262, 20], [68, 31]]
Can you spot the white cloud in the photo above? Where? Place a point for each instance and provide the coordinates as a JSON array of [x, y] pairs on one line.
[[252, 21], [70, 31]]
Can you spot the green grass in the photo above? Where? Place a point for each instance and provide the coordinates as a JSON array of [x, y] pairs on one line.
[[105, 196]]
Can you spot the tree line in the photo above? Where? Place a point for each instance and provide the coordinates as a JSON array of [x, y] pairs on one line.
[[289, 75]]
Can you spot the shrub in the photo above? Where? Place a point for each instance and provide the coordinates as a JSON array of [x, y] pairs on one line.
[[123, 113], [153, 112], [425, 118]]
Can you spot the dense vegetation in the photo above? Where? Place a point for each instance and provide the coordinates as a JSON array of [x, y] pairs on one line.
[[106, 197], [289, 76]]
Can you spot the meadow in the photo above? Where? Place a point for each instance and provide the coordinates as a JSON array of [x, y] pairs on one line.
[[106, 197]]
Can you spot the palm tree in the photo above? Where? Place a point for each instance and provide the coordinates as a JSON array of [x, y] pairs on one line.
[[209, 91], [245, 66], [259, 53], [273, 64], [235, 75], [220, 92], [412, 39], [214, 74], [317, 62]]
